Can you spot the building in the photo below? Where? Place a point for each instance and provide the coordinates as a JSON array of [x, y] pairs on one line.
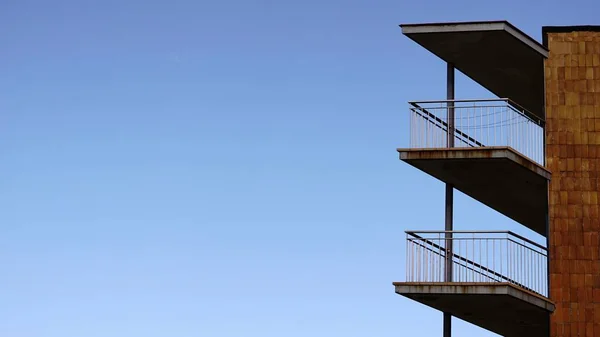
[[532, 155]]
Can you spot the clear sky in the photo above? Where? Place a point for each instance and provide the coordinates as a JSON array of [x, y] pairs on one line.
[[222, 168]]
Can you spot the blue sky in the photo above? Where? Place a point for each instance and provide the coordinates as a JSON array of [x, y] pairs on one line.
[[224, 168]]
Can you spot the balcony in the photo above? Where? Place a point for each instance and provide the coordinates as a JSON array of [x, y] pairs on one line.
[[494, 279], [491, 150], [495, 54]]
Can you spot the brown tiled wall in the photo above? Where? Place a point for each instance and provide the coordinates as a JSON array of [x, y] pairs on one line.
[[573, 155]]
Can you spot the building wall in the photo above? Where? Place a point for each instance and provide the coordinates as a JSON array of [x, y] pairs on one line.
[[573, 156]]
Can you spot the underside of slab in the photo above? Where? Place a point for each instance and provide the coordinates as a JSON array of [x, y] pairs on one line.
[[499, 177], [495, 54], [502, 308]]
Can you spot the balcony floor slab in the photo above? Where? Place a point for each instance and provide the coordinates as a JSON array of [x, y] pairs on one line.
[[502, 308], [499, 177]]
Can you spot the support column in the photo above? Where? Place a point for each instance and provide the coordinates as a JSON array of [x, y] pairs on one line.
[[449, 192]]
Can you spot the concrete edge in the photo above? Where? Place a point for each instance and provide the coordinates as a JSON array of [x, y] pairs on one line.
[[495, 152], [449, 288]]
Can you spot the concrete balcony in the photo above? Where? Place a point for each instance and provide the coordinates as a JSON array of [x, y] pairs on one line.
[[487, 149], [496, 280], [495, 54]]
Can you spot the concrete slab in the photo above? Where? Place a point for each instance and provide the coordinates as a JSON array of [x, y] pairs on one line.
[[495, 54], [499, 177], [502, 308]]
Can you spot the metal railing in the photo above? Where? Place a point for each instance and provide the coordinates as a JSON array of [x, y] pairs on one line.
[[476, 256], [477, 123]]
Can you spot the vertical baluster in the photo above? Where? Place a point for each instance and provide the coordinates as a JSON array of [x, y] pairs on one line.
[[517, 262], [437, 271], [528, 138], [440, 270], [421, 132], [428, 132], [456, 270], [508, 125], [494, 125], [517, 132], [509, 122], [530, 270], [408, 260], [488, 264], [413, 256], [520, 264], [484, 263], [425, 261], [435, 260], [487, 123], [514, 262], [431, 262], [467, 130], [434, 135], [412, 260], [466, 243], [510, 259], [480, 262], [501, 135], [541, 273], [420, 261], [482, 111], [494, 254], [474, 259], [416, 259], [501, 257], [524, 264], [412, 127], [417, 132], [406, 257], [465, 256]]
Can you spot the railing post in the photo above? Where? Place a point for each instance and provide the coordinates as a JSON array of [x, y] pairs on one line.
[[450, 103]]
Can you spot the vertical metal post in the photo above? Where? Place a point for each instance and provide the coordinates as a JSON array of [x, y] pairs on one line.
[[450, 97], [449, 192]]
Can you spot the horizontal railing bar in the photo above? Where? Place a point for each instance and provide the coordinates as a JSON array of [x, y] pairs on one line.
[[541, 253], [460, 106], [412, 232], [462, 100], [514, 104]]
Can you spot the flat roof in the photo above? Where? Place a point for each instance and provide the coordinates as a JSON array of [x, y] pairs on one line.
[[566, 29], [495, 54]]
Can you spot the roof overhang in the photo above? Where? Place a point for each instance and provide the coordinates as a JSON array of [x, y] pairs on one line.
[[495, 54]]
